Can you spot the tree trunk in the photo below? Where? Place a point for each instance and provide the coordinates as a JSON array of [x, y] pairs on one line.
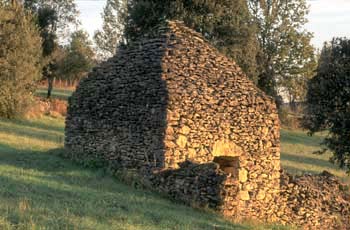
[[293, 105], [50, 86]]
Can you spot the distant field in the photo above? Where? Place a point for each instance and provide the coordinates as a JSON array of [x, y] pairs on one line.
[[39, 190], [62, 94]]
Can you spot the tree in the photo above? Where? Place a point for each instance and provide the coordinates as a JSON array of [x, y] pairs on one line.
[[65, 12], [20, 58], [286, 58], [54, 18], [112, 33], [293, 83], [226, 24], [78, 58], [328, 100]]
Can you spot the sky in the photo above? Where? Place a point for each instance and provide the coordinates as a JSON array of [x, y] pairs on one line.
[[327, 18]]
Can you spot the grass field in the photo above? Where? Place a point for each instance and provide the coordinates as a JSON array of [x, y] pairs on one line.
[[39, 190], [297, 158], [61, 94]]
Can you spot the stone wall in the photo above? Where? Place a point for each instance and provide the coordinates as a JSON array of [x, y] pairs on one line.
[[308, 201], [215, 110], [314, 202], [201, 185], [117, 115]]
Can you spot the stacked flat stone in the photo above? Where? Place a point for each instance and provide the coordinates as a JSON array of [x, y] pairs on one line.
[[169, 98], [200, 184], [314, 201]]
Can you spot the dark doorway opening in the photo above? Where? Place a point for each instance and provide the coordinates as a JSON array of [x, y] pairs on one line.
[[229, 165]]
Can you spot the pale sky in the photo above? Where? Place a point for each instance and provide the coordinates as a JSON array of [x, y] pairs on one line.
[[327, 18]]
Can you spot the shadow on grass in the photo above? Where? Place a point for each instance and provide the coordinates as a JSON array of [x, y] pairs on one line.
[[26, 159], [299, 137], [299, 171], [37, 124], [52, 184], [33, 132], [122, 206], [307, 160]]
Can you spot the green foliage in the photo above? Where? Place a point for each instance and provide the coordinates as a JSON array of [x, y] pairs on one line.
[[287, 58], [64, 11], [20, 57], [328, 99], [112, 33], [54, 18], [226, 24], [78, 58], [47, 22]]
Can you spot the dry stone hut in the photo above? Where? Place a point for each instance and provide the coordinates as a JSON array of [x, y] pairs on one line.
[[185, 117]]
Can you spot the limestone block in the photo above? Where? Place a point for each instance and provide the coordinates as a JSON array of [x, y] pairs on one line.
[[226, 148], [191, 153], [248, 186], [243, 175], [185, 130], [169, 130], [173, 115], [181, 141], [244, 195], [260, 195], [169, 144], [265, 131]]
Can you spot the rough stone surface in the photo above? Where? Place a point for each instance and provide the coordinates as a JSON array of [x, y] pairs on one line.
[[187, 119], [313, 202]]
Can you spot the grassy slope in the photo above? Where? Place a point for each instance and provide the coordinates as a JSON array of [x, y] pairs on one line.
[[296, 154], [39, 190]]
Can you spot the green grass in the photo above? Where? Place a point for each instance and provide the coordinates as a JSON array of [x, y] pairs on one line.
[[40, 190], [297, 154], [62, 94]]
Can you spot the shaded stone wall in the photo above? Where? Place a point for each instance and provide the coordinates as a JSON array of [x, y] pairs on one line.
[[308, 201], [117, 115], [202, 185], [170, 98]]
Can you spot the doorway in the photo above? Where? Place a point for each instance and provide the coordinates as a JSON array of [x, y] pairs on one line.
[[229, 165]]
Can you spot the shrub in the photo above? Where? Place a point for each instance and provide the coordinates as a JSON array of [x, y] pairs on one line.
[[328, 100], [20, 57]]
